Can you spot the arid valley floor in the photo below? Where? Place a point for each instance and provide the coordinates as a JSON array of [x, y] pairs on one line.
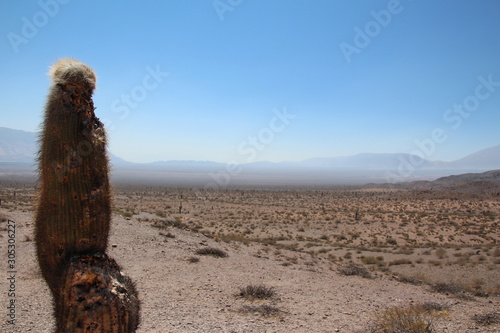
[[331, 259]]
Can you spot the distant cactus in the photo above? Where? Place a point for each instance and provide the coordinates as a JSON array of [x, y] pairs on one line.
[[74, 211]]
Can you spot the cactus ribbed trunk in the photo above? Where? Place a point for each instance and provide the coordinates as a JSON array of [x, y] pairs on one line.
[[74, 211]]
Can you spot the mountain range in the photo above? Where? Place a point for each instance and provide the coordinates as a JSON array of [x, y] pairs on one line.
[[19, 147]]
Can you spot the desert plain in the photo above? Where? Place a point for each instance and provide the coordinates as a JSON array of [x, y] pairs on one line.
[[283, 258]]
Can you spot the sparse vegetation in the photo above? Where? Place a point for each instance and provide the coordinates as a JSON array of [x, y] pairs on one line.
[[448, 288], [373, 261], [487, 319], [410, 319], [211, 251], [408, 237], [263, 309], [400, 262], [355, 270], [257, 292]]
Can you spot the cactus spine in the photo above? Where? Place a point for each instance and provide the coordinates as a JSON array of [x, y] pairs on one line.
[[74, 211]]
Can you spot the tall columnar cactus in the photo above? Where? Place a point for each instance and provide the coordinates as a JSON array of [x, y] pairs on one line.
[[74, 211]]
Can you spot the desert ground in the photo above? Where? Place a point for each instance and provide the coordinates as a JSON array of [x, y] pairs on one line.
[[283, 258]]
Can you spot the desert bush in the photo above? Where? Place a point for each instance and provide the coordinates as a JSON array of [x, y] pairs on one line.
[[169, 222], [354, 270], [434, 306], [233, 237], [264, 310], [487, 318], [257, 292], [392, 241], [410, 319], [373, 261], [440, 253], [434, 262], [400, 262], [126, 214], [160, 213], [404, 250], [411, 280], [192, 259], [167, 235], [211, 251], [448, 288]]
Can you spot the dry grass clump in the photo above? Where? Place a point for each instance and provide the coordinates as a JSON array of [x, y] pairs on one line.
[[448, 288], [354, 270], [411, 319], [264, 310], [211, 251], [192, 260], [170, 222], [402, 261], [441, 253], [487, 318], [379, 261], [167, 235], [434, 306], [257, 292], [415, 280]]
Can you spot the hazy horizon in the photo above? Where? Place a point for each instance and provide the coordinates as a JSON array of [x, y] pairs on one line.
[[238, 81], [115, 156]]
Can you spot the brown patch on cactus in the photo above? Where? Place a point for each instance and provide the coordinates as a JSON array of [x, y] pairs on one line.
[[96, 297]]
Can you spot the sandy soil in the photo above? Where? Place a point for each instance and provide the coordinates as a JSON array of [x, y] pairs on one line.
[[179, 295]]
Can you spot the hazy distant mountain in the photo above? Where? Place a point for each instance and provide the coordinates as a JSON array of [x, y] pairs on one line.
[[488, 176], [485, 159], [20, 147], [476, 183], [17, 146], [366, 161]]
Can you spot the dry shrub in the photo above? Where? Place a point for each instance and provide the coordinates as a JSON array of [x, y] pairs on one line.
[[487, 318], [379, 261], [434, 306], [264, 310], [211, 251], [167, 235], [170, 222], [400, 262], [257, 292], [448, 288], [410, 279], [441, 253], [410, 319], [355, 270]]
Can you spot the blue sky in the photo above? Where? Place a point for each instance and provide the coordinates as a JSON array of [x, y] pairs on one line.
[[246, 81]]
